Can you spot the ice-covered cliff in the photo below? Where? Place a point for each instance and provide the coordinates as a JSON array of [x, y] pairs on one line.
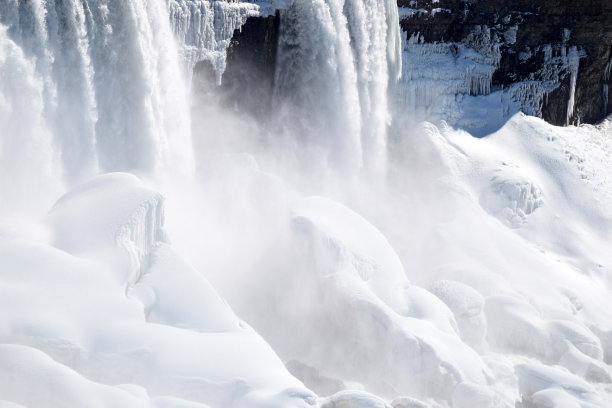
[[543, 58]]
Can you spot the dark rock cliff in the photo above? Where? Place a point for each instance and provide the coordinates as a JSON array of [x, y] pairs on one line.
[[247, 83], [529, 33], [533, 39], [248, 79]]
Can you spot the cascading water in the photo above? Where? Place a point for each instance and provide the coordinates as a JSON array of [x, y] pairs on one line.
[[110, 88], [27, 158], [108, 82], [336, 60]]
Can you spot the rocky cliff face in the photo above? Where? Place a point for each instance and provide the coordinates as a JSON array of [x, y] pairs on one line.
[[549, 58], [248, 79], [560, 48]]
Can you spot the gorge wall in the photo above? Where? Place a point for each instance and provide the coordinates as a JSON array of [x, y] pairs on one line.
[[537, 41], [552, 59]]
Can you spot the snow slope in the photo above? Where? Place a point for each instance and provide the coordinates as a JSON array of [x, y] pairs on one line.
[[476, 275]]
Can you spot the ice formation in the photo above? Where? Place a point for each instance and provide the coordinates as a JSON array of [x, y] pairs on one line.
[[451, 81]]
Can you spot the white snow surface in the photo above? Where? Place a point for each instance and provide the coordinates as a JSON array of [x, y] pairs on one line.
[[480, 255], [97, 305], [66, 301]]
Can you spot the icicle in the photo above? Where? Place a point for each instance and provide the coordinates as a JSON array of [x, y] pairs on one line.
[[605, 98], [608, 71], [394, 41], [573, 64]]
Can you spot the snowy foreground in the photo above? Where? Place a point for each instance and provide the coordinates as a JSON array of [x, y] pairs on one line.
[[480, 278]]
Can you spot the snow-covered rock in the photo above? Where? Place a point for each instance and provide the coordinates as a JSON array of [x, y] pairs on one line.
[[76, 325]]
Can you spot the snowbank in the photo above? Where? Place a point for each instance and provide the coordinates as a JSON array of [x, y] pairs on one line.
[[73, 322]]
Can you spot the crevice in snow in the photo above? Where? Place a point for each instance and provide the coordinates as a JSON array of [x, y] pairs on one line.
[[141, 233]]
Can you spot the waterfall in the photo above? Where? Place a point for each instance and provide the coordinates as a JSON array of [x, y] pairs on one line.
[[336, 59], [100, 85], [112, 93], [27, 159]]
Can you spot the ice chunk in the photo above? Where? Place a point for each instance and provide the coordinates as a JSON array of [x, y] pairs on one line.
[[408, 402], [353, 399], [468, 307], [512, 197], [543, 385]]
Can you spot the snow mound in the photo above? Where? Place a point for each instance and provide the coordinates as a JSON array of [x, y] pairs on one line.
[[347, 284], [517, 326], [350, 241], [81, 331], [112, 218], [512, 198]]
